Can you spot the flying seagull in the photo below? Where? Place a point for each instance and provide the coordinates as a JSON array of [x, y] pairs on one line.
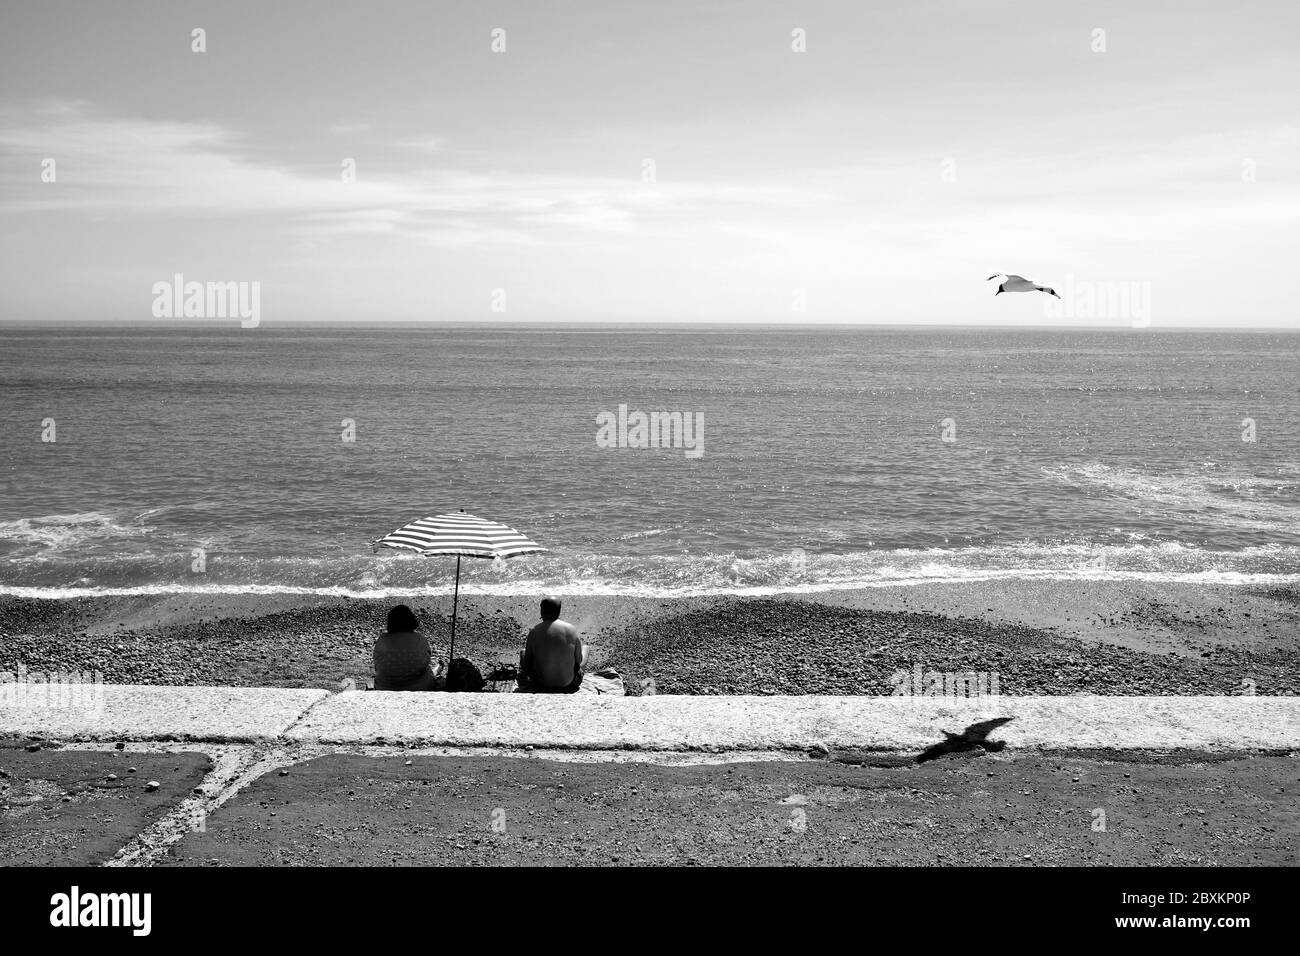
[[1019, 284], [972, 738]]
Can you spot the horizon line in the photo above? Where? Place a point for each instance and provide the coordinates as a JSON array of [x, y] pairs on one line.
[[603, 325]]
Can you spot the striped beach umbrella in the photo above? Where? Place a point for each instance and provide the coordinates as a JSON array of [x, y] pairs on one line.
[[465, 536]]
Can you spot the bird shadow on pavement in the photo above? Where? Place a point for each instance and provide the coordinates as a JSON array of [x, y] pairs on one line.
[[974, 737]]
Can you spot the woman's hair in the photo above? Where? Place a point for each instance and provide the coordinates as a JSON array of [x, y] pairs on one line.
[[401, 619]]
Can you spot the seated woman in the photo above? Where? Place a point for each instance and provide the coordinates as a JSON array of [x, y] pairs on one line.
[[402, 659]]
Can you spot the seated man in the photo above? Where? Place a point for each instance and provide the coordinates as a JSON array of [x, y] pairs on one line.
[[402, 659], [553, 654]]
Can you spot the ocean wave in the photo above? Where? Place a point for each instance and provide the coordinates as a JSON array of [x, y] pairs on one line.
[[793, 571], [617, 589], [1214, 498], [62, 532]]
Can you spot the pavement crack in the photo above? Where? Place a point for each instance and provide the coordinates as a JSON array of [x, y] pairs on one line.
[[284, 732], [234, 767]]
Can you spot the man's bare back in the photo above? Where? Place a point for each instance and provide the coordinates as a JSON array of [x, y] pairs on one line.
[[553, 653]]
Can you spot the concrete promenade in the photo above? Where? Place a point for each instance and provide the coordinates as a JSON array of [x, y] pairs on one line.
[[661, 723], [151, 775]]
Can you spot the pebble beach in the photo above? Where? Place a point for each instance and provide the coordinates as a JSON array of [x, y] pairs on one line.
[[1033, 639]]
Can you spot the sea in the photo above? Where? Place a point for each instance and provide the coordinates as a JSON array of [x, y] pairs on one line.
[[269, 460]]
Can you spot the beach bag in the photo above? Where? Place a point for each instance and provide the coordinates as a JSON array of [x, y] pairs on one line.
[[462, 675]]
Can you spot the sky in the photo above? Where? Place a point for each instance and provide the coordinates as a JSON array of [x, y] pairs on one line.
[[835, 161]]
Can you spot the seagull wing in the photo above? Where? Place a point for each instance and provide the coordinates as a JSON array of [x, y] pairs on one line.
[[980, 731], [933, 752]]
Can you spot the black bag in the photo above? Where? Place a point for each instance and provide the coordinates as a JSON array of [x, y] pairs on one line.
[[462, 675]]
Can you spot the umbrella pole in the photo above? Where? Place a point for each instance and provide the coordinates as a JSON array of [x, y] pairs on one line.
[[455, 598]]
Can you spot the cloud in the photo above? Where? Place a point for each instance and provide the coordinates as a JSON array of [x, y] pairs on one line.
[[592, 243], [423, 144], [166, 169], [348, 129]]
